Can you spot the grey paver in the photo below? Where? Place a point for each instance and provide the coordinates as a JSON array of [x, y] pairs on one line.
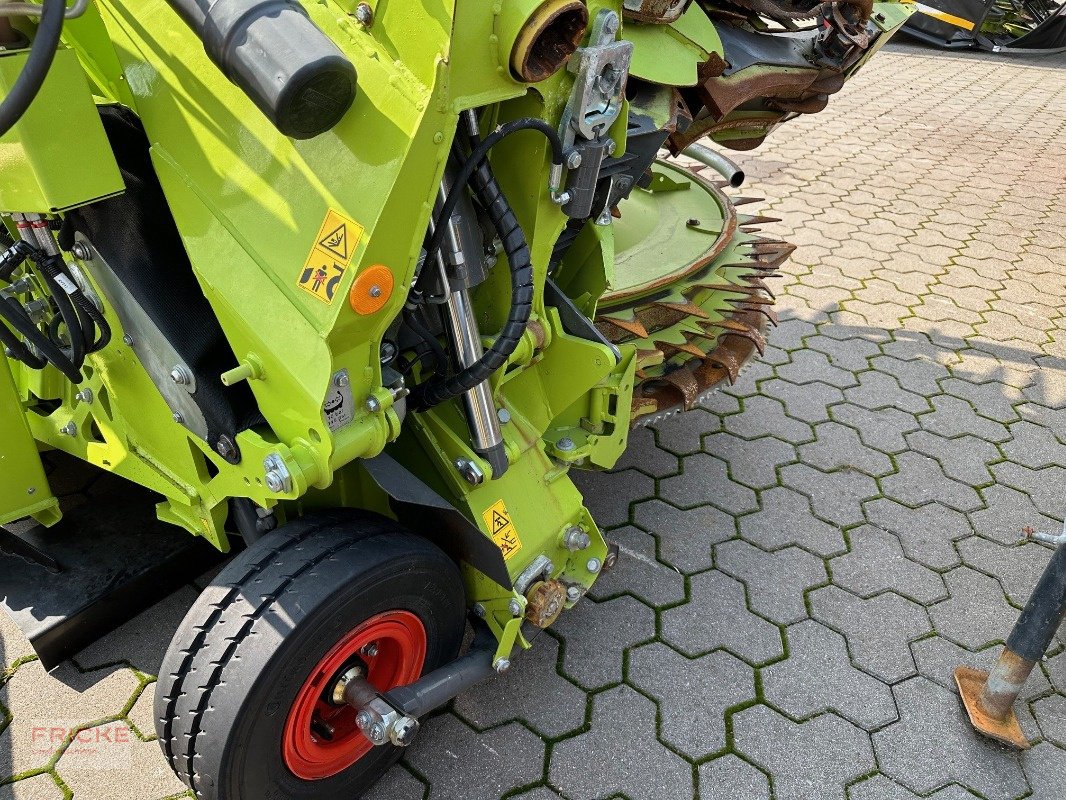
[[519, 695], [876, 563], [1017, 567], [977, 613], [879, 630], [638, 572], [818, 676], [926, 532], [765, 415], [839, 447], [933, 745], [882, 430], [609, 495], [620, 754], [815, 759], [1008, 514], [685, 538], [644, 455], [398, 784], [717, 616], [705, 481], [42, 787], [728, 777], [1034, 446], [753, 463], [964, 458], [810, 404], [1050, 713], [1043, 768], [690, 694], [920, 480], [786, 519], [1043, 486], [595, 639], [776, 581], [877, 390], [465, 763], [837, 497]]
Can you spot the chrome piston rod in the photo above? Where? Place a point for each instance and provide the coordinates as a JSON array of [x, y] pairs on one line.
[[466, 339]]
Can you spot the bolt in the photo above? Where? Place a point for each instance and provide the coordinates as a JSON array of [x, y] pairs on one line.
[[515, 608], [470, 471], [479, 610], [561, 198], [373, 405], [178, 418], [593, 565], [403, 731], [375, 291], [573, 159], [370, 650], [611, 147], [503, 415], [388, 352], [32, 490], [84, 396], [127, 340], [341, 380], [225, 447], [605, 218], [181, 375], [566, 444], [70, 429], [364, 15], [377, 733], [275, 481], [576, 539], [692, 223], [501, 665], [573, 594], [82, 252], [363, 720]]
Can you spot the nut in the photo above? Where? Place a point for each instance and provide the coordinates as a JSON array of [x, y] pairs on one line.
[[576, 539], [364, 15], [501, 665], [565, 444]]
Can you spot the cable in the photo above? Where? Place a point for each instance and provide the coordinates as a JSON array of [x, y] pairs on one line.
[[478, 169], [13, 314], [34, 72]]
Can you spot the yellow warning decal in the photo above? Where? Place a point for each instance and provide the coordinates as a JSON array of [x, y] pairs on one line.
[[943, 16], [498, 519], [330, 256]]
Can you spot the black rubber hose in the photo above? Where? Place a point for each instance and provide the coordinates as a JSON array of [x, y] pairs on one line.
[[426, 335], [32, 77], [17, 349], [13, 314], [50, 271], [505, 222]]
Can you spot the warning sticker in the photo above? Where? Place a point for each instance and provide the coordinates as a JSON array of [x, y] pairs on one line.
[[498, 518], [330, 256]]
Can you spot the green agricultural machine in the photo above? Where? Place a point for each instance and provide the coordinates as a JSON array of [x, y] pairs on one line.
[[349, 289]]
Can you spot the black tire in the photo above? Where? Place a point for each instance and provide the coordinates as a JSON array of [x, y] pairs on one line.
[[244, 651]]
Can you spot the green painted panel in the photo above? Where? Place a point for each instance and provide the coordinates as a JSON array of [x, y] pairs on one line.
[[24, 490]]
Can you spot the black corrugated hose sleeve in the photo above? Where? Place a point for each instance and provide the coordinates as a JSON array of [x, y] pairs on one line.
[[78, 344], [477, 169], [13, 314]]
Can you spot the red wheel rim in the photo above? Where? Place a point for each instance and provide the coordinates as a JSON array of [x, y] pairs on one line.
[[400, 640]]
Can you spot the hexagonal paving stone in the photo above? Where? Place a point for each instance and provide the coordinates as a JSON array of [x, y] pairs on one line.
[[839, 447], [685, 538], [878, 630], [398, 784], [753, 462], [644, 455], [42, 787], [766, 416], [836, 497], [638, 572], [64, 698], [465, 763], [813, 759], [776, 581], [595, 638], [876, 564], [877, 390], [818, 676], [728, 777], [786, 519], [521, 694], [1050, 713], [692, 695], [716, 617], [705, 480], [933, 745], [881, 787], [620, 754], [1043, 768], [926, 533], [977, 613], [921, 480]]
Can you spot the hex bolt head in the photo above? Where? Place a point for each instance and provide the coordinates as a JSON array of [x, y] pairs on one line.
[[377, 733], [84, 396], [593, 565], [225, 447], [375, 291], [515, 608], [373, 405], [181, 375], [573, 594], [403, 731], [364, 15], [275, 481], [178, 417], [611, 147], [127, 340], [565, 444], [341, 380], [503, 415], [370, 650], [576, 539], [81, 251], [479, 610], [70, 429], [363, 720], [501, 665], [573, 159]]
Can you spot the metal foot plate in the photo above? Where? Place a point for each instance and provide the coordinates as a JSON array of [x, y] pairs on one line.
[[971, 683]]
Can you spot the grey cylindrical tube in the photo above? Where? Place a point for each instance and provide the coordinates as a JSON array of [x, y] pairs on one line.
[[293, 72], [716, 161]]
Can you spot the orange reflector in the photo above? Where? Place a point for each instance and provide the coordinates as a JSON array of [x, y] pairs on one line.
[[371, 290]]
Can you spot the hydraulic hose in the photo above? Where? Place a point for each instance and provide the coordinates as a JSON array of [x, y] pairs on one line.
[[13, 314], [32, 77], [503, 219]]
